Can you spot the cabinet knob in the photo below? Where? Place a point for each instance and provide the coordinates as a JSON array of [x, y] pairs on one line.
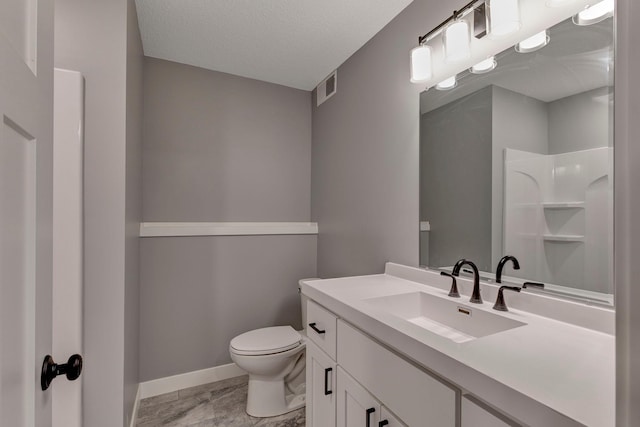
[[326, 381], [383, 423], [369, 412], [315, 328]]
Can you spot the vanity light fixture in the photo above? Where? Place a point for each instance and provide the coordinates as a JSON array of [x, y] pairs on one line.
[[421, 64], [596, 13], [457, 41], [484, 66], [504, 17], [447, 84], [533, 43]]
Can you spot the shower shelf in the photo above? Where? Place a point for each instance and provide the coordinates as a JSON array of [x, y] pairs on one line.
[[563, 205], [563, 238]]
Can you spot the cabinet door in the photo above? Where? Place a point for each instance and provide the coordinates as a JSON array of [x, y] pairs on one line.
[[387, 419], [411, 393], [474, 415], [321, 388], [356, 407]]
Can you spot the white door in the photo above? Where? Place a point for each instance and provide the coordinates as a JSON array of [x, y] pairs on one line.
[[26, 105], [356, 407], [321, 388]]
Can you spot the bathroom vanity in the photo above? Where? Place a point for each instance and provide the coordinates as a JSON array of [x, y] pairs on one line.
[[394, 350]]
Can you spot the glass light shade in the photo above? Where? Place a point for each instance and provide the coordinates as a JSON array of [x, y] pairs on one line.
[[533, 43], [596, 13], [504, 17], [457, 41], [484, 66], [420, 64], [447, 84]]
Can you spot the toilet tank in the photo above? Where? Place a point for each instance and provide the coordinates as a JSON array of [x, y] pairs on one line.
[[303, 302]]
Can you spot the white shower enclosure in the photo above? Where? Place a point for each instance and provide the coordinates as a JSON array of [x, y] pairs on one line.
[[558, 217]]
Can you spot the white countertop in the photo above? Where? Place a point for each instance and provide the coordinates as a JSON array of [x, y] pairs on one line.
[[547, 371]]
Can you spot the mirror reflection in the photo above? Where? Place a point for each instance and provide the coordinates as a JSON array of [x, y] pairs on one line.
[[518, 160]]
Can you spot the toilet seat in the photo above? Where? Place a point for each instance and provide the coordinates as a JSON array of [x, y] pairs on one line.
[[260, 342]]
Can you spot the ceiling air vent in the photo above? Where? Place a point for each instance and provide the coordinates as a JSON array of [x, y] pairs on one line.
[[327, 88]]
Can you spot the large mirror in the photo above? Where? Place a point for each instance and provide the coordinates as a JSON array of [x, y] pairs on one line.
[[519, 161]]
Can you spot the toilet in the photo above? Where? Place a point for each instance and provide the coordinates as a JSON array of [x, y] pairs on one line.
[[274, 358]]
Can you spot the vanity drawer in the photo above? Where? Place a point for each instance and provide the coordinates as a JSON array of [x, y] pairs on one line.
[[413, 395], [321, 328]]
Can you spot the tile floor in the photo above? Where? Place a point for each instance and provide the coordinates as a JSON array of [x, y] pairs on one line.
[[219, 404]]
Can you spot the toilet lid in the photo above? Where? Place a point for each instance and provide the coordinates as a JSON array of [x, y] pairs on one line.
[[275, 339]]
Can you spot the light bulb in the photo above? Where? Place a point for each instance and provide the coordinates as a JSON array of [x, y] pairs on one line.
[[596, 13], [533, 43], [420, 64], [457, 41], [504, 17], [484, 66], [447, 84]]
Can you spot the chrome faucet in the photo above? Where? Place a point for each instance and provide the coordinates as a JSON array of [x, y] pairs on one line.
[[502, 262], [475, 295]]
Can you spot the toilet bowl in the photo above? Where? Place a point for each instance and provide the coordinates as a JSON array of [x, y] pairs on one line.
[[274, 359], [271, 357]]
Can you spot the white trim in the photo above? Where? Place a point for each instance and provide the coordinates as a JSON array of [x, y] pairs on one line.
[[136, 406], [173, 229], [190, 379]]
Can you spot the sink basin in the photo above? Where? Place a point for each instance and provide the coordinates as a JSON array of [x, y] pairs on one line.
[[449, 318]]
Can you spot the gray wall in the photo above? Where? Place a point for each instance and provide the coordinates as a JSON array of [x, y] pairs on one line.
[[627, 210], [223, 148], [581, 122], [133, 207], [220, 148], [455, 180], [92, 37], [519, 122], [365, 153], [198, 293]]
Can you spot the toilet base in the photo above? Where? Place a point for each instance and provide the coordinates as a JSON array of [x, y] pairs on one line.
[[267, 398]]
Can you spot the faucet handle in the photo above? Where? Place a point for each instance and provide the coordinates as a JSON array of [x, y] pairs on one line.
[[454, 285], [500, 304]]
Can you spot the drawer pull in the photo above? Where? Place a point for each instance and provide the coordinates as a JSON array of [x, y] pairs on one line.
[[383, 423], [369, 412], [315, 328], [326, 381]]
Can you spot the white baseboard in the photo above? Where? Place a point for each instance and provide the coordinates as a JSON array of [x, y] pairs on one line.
[[190, 379], [136, 405]]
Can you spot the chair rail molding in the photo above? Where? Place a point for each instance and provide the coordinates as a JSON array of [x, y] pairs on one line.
[[179, 229]]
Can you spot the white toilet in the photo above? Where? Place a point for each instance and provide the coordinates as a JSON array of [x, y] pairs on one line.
[[274, 358]]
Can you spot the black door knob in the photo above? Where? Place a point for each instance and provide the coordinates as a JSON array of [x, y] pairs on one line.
[[72, 370]]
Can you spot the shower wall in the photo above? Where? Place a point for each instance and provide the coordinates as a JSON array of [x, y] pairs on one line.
[[558, 216]]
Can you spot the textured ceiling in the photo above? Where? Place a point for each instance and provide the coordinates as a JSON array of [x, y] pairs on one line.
[[295, 43]]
